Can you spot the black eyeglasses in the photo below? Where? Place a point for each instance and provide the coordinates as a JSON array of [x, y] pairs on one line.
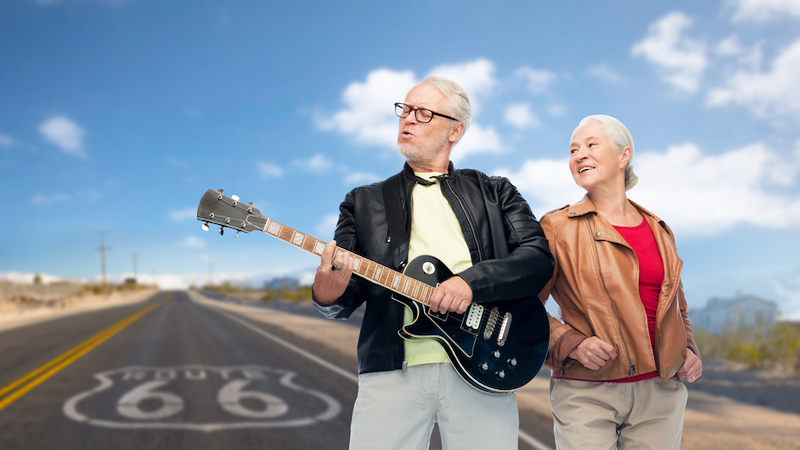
[[422, 114]]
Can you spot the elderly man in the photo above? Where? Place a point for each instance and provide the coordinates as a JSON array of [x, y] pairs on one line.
[[480, 228]]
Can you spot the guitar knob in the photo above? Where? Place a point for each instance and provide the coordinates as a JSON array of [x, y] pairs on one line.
[[512, 362], [483, 367], [501, 374], [496, 355]]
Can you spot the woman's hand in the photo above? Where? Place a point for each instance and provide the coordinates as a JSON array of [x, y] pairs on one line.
[[593, 353], [692, 368]]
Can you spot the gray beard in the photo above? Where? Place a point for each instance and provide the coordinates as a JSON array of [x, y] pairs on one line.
[[423, 153]]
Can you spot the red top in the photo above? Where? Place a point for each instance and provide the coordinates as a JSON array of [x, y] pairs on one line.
[[651, 275]]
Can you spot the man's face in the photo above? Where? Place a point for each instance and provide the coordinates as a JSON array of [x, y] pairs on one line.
[[423, 143]]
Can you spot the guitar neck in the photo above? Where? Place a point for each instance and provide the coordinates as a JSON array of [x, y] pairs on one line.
[[363, 267]]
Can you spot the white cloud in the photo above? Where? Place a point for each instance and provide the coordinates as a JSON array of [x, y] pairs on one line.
[[476, 77], [326, 227], [545, 183], [679, 60], [788, 292], [538, 81], [180, 215], [767, 93], [193, 242], [477, 140], [60, 197], [5, 140], [65, 134], [765, 10], [318, 163], [521, 116], [557, 110], [359, 178], [693, 192], [368, 116], [604, 72], [268, 170], [730, 46]]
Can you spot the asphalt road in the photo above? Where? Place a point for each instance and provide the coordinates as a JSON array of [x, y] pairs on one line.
[[169, 373]]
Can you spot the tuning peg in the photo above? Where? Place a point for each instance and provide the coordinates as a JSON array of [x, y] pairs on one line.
[[221, 231], [204, 226], [235, 198], [237, 235], [221, 191]]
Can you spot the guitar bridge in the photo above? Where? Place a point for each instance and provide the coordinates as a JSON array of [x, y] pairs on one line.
[[491, 322], [504, 329]]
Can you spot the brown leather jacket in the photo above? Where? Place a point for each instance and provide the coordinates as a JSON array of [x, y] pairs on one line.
[[596, 284]]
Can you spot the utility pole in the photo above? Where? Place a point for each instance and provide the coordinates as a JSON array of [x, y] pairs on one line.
[[103, 249]]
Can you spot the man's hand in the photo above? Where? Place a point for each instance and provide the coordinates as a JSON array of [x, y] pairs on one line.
[[692, 368], [332, 275], [593, 353], [452, 295]]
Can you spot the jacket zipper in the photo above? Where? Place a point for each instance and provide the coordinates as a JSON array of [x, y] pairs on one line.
[[446, 181], [632, 367]]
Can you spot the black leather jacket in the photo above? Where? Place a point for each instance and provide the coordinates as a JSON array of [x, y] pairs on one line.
[[510, 255]]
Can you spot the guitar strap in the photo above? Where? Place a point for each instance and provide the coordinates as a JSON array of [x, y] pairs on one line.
[[395, 218]]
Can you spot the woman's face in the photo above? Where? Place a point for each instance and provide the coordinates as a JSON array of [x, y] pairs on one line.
[[594, 160]]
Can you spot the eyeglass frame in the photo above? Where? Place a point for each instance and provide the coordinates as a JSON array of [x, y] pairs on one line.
[[417, 109]]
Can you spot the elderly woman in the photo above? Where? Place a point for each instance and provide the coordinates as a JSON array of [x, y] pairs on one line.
[[625, 340]]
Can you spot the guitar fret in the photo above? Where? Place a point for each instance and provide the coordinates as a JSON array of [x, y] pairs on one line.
[[395, 281], [274, 228], [298, 239]]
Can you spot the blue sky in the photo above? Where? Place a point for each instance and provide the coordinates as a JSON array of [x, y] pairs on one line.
[[116, 116]]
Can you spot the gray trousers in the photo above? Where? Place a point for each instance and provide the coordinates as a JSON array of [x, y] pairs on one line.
[[397, 411]]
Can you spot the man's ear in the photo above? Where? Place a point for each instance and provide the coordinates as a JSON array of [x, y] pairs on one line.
[[456, 132]]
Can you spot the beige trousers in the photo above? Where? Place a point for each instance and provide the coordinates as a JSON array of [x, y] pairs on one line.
[[645, 414]]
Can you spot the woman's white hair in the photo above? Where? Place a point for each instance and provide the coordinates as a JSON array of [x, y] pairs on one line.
[[458, 101], [621, 138]]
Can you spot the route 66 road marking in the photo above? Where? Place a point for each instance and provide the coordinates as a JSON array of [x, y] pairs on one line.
[[201, 398]]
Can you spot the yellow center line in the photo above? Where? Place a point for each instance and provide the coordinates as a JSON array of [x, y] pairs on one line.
[[49, 369]]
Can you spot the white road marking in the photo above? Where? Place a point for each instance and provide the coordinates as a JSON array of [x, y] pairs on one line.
[[527, 438]]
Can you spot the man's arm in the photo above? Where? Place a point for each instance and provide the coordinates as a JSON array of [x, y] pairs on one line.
[[328, 294], [529, 264]]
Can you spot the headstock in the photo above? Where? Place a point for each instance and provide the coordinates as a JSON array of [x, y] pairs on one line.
[[228, 212]]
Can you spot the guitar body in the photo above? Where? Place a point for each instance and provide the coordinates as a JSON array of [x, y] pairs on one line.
[[495, 347]]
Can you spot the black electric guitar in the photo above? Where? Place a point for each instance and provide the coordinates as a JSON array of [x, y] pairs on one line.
[[495, 347]]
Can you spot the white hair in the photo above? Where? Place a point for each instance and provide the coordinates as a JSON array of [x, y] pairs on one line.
[[621, 138], [458, 104]]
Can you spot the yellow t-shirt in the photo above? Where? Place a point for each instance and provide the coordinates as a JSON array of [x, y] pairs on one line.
[[434, 231]]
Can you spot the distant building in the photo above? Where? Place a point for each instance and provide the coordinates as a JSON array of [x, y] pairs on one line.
[[720, 315]]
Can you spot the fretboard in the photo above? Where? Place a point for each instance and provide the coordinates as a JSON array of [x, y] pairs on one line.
[[363, 267]]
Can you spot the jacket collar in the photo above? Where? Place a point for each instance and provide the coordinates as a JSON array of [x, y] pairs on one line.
[[409, 174], [586, 206]]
